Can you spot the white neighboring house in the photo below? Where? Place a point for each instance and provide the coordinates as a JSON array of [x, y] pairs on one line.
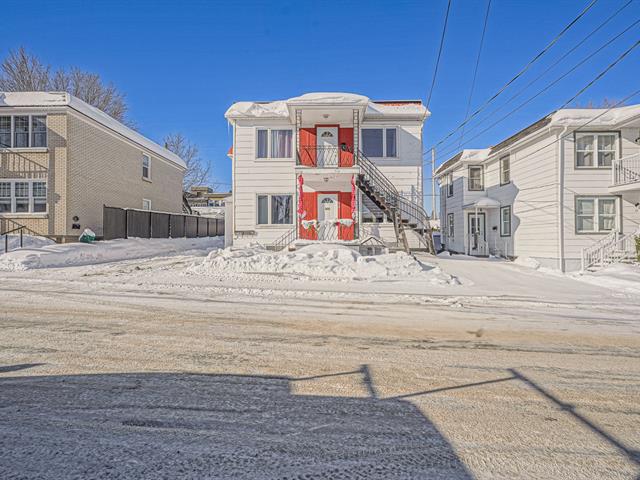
[[328, 167], [561, 191]]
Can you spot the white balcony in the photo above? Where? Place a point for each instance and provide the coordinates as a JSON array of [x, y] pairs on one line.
[[626, 177]]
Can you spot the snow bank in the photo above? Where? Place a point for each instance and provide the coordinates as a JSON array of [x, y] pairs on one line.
[[321, 261], [621, 277], [28, 241], [75, 254]]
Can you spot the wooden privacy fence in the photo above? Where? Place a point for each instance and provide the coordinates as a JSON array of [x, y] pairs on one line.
[[129, 222]]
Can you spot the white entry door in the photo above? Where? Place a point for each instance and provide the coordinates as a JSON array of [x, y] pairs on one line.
[[477, 235], [327, 216], [327, 138]]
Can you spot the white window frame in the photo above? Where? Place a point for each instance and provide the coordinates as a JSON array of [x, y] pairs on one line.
[[596, 214], [507, 159], [450, 184], [12, 139], [451, 231], [481, 167], [384, 140], [596, 150], [146, 204], [30, 197], [268, 130], [148, 177], [503, 232], [269, 209]]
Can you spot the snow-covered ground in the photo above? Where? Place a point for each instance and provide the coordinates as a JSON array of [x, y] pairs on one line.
[[46, 254], [28, 241]]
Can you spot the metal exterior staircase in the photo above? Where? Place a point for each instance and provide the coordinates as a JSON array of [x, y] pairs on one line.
[[614, 248], [406, 215]]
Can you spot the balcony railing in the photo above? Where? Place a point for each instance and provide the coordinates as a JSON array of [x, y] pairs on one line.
[[626, 170], [326, 156]]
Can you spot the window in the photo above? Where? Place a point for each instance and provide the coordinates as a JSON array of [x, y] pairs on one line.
[[146, 167], [275, 209], [5, 132], [23, 196], [39, 131], [274, 143], [596, 150], [450, 226], [505, 170], [380, 142], [596, 214], [146, 204], [505, 221], [475, 178], [281, 143], [450, 184], [23, 131]]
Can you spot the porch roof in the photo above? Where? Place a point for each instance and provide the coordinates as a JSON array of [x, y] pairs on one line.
[[482, 202]]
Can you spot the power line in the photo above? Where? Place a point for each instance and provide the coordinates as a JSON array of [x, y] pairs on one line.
[[562, 57], [475, 70], [522, 71], [572, 69], [435, 71]]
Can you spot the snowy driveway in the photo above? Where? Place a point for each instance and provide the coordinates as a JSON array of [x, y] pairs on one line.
[[147, 369]]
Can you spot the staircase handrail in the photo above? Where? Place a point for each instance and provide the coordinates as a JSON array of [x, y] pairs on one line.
[[283, 241], [6, 236], [606, 250]]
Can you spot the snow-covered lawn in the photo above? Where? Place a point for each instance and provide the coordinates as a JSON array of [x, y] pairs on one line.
[[38, 254], [28, 241]]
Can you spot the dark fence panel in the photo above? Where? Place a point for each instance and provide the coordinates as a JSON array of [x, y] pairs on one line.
[[202, 227], [177, 226], [114, 223], [138, 223], [191, 227], [160, 225], [126, 222]]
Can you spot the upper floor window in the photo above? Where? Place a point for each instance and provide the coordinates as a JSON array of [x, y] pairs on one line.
[[276, 143], [596, 214], [476, 180], [380, 142], [596, 150], [23, 131], [450, 184], [146, 166], [23, 196], [505, 170]]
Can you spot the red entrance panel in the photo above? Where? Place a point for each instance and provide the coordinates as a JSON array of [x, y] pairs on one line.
[[308, 147], [309, 205], [345, 136], [344, 200]]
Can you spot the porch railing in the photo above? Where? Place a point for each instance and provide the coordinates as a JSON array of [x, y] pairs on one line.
[[325, 156], [626, 170], [614, 248]]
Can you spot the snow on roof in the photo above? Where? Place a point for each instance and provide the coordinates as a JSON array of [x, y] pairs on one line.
[[579, 116], [279, 108], [62, 99], [468, 155], [483, 202]]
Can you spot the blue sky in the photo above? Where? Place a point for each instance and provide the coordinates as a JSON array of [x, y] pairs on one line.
[[181, 64]]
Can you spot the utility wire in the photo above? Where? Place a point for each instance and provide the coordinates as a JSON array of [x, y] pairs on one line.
[[562, 57], [435, 71], [530, 99], [475, 70], [521, 72]]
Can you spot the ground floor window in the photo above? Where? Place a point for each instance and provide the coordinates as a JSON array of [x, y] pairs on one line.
[[275, 209], [505, 221], [23, 196], [146, 204], [450, 226], [596, 214]]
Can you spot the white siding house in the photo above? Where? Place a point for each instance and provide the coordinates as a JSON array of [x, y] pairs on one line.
[[561, 187], [298, 166]]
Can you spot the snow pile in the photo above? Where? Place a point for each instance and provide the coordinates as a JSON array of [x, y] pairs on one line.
[[622, 277], [74, 254], [28, 241], [321, 261]]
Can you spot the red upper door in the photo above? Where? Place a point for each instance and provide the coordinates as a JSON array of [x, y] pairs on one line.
[[308, 147], [345, 139]]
